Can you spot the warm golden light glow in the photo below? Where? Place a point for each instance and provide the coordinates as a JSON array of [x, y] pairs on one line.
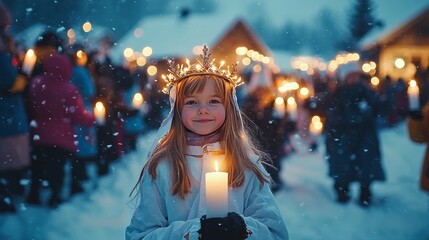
[[141, 61], [246, 61], [128, 52], [152, 70], [257, 68], [375, 81], [100, 113], [279, 100], [138, 100], [266, 60], [316, 126], [399, 63], [303, 67], [71, 33], [87, 27], [304, 91], [147, 51], [30, 53], [315, 118], [241, 51], [99, 106], [81, 58], [30, 59], [366, 67]]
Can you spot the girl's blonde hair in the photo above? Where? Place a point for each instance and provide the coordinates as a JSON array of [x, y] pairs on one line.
[[238, 146]]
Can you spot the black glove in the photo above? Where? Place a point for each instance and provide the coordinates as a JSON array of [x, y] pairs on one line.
[[231, 227], [415, 114]]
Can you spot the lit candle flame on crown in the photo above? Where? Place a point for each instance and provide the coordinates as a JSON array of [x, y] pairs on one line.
[[178, 72], [413, 83], [216, 166]]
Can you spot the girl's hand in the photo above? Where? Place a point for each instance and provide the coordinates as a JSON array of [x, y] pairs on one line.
[[230, 227]]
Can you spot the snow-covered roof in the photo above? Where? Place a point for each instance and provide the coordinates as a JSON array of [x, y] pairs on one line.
[[394, 16], [171, 36], [28, 36]]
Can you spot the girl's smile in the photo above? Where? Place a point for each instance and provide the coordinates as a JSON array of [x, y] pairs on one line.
[[203, 112]]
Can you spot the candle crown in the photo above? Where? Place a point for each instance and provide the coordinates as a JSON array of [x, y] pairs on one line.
[[177, 73]]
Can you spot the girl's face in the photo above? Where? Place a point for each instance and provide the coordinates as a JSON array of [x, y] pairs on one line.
[[203, 112]]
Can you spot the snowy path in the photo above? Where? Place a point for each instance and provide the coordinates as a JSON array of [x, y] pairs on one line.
[[400, 211]]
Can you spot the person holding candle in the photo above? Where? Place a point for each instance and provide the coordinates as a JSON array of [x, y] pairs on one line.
[[352, 142], [204, 125], [133, 124], [110, 81], [418, 131], [86, 136], [274, 127], [56, 108]]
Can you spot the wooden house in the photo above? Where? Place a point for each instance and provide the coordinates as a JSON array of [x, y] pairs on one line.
[[181, 37], [403, 50]]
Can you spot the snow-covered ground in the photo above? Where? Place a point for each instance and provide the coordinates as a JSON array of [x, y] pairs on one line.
[[400, 209]]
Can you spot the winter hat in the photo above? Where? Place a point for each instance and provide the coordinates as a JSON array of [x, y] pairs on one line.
[[49, 39], [346, 69]]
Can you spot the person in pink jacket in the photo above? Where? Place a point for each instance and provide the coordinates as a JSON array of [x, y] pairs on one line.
[[55, 108]]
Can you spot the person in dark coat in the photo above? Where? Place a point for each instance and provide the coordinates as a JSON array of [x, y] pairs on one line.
[[56, 108], [352, 142], [418, 132], [258, 106], [14, 139]]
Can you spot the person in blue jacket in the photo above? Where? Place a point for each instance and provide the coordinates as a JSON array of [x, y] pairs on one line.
[[86, 137], [14, 129], [204, 124]]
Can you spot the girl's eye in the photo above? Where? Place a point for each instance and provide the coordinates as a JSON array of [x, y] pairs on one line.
[[190, 102], [214, 101]]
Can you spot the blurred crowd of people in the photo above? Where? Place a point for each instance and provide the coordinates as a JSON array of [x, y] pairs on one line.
[[48, 119]]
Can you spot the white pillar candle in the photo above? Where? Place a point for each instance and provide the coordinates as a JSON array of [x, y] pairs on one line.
[[100, 113], [413, 95], [279, 107], [137, 100], [81, 58], [29, 62], [316, 128], [216, 193], [292, 108]]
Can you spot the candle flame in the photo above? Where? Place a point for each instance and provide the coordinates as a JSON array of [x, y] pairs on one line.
[[291, 101], [138, 97], [30, 53], [413, 83], [216, 166], [279, 101], [99, 106]]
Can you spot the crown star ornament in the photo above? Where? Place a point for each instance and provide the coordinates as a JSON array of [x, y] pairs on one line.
[[177, 73]]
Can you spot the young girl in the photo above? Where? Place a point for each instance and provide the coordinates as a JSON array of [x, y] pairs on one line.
[[204, 123]]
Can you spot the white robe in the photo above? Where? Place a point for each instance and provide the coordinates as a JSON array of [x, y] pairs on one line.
[[160, 215]]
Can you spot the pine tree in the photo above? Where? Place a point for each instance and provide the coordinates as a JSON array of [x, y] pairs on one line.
[[362, 20]]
